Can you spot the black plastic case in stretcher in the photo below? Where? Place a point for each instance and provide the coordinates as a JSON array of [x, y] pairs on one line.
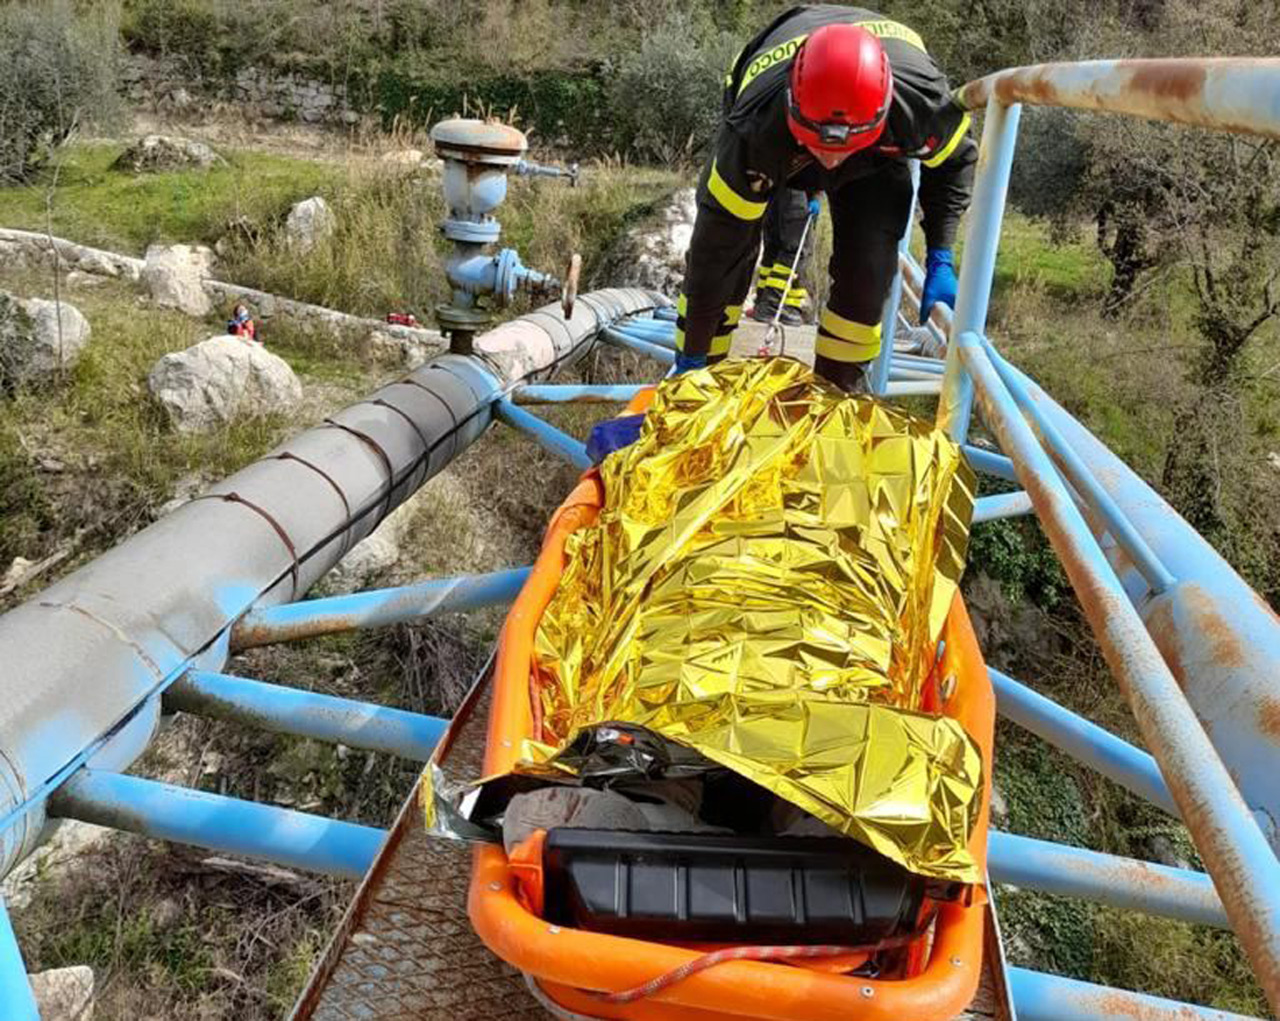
[[730, 888]]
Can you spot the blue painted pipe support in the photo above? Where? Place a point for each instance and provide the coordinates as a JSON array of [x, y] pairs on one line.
[[310, 714], [1001, 505], [920, 363], [1086, 483], [1228, 837], [229, 825], [1116, 759], [643, 347], [911, 387], [880, 368], [899, 373], [665, 339], [16, 999], [547, 435], [1104, 878], [977, 270], [377, 608], [990, 463], [570, 393], [1038, 996], [657, 328]]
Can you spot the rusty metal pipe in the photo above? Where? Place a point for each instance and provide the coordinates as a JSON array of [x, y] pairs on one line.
[[1237, 94], [1105, 878], [1244, 869], [1038, 996], [137, 618]]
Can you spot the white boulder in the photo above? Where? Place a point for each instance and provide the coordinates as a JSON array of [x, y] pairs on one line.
[[38, 338], [652, 254], [64, 994], [159, 153], [409, 159], [310, 221], [174, 276], [221, 380]]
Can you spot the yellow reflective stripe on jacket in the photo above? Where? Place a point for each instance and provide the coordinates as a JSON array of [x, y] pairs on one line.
[[682, 305], [779, 54], [843, 340], [893, 30], [796, 298], [720, 344], [743, 209], [733, 315], [941, 156]]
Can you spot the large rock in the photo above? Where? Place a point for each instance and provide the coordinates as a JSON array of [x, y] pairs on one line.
[[221, 380], [157, 153], [174, 276], [38, 338], [652, 254], [64, 994], [309, 222]]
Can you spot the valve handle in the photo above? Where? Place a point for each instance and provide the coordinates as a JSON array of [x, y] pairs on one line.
[[569, 291]]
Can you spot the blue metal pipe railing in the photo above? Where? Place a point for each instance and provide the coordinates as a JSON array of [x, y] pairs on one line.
[[1038, 996], [1220, 639], [881, 367], [1236, 94], [1083, 740], [1085, 482], [229, 825], [1226, 834], [666, 341], [658, 330], [920, 363], [911, 387], [309, 714], [1105, 879], [1001, 505], [655, 351], [572, 393], [547, 435], [311, 618], [990, 463], [17, 1002], [977, 270]]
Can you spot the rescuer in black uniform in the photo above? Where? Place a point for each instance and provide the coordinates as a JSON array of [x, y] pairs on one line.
[[835, 99]]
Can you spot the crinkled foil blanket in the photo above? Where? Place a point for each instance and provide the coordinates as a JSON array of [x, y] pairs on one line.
[[766, 584]]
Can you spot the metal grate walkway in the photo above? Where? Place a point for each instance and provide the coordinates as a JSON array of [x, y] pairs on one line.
[[405, 950]]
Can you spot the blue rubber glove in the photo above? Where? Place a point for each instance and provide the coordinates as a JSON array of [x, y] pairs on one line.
[[687, 363], [613, 434], [815, 205], [939, 282]]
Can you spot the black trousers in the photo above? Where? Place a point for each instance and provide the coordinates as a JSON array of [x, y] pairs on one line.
[[869, 216], [783, 227]]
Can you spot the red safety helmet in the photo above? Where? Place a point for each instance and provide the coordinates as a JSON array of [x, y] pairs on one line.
[[838, 92]]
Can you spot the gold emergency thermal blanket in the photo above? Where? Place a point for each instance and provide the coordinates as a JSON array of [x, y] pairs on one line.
[[766, 584]]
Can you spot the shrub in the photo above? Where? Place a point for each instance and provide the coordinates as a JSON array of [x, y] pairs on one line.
[[666, 94], [57, 71]]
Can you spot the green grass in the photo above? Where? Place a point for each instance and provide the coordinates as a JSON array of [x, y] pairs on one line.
[[120, 460], [387, 253], [112, 209]]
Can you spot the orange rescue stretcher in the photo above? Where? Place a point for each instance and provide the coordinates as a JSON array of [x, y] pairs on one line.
[[571, 968]]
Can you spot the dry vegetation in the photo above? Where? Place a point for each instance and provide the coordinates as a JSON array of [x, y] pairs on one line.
[[174, 936]]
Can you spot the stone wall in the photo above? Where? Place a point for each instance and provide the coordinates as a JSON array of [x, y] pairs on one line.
[[171, 84]]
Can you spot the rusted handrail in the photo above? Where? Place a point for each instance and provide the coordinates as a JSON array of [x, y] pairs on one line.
[[1240, 94]]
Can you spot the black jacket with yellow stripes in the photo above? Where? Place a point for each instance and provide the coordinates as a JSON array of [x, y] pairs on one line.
[[755, 153]]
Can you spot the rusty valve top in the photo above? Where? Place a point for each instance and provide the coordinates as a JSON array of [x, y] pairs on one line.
[[475, 141]]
